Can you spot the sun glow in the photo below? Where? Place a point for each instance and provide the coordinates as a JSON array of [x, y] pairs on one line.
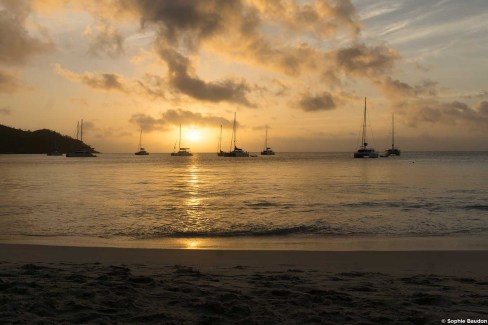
[[194, 135]]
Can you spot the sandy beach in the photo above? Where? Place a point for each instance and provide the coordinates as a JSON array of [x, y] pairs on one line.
[[54, 284]]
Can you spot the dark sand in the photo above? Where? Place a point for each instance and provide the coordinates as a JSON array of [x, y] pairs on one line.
[[49, 284]]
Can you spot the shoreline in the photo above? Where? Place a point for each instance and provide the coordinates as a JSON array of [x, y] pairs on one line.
[[285, 243], [455, 263]]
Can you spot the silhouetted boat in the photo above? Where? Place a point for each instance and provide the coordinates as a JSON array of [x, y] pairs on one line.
[[82, 152], [183, 152], [392, 151], [142, 151], [267, 150], [364, 151], [220, 153], [237, 152]]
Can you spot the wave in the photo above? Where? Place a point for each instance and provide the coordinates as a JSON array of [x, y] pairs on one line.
[[305, 230], [476, 207]]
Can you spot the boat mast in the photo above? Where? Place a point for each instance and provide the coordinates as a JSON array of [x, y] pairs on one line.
[[220, 139], [364, 143], [235, 129], [179, 143], [266, 139], [81, 130], [392, 131], [140, 140]]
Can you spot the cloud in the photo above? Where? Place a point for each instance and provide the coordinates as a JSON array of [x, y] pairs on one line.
[[483, 108], [365, 61], [186, 23], [182, 79], [238, 29], [9, 83], [319, 18], [104, 39], [152, 85], [315, 102], [17, 45], [176, 117], [101, 81]]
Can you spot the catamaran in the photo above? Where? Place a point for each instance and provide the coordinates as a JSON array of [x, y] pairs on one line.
[[267, 150], [392, 151], [183, 152], [84, 151], [142, 151], [237, 152], [364, 151]]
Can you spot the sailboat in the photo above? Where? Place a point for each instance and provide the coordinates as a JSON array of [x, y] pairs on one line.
[[237, 152], [84, 151], [181, 151], [142, 151], [220, 153], [267, 150], [364, 151], [392, 151]]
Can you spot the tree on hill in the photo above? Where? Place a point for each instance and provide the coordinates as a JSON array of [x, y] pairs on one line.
[[17, 141]]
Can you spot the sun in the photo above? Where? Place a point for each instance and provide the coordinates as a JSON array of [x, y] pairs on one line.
[[194, 135]]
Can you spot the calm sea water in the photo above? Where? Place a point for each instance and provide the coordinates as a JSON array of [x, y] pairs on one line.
[[296, 198]]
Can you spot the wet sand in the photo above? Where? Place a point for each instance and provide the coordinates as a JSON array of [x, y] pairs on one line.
[[54, 284]]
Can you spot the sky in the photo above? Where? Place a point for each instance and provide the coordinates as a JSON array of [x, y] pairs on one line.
[[300, 68]]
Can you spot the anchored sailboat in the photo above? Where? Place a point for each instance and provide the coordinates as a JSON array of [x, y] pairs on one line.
[[392, 151], [220, 153], [181, 151], [84, 151], [267, 150], [364, 151], [142, 151], [237, 152]]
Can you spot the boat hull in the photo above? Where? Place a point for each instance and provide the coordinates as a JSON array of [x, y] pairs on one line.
[[181, 154], [366, 154], [237, 154], [392, 152]]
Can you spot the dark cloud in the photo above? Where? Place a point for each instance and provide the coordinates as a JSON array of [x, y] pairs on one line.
[[396, 89], [364, 61], [148, 123], [187, 22], [183, 80], [104, 39], [175, 117], [419, 104], [16, 43], [418, 111], [104, 81], [316, 102]]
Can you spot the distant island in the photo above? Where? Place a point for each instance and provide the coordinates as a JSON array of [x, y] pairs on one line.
[[16, 141]]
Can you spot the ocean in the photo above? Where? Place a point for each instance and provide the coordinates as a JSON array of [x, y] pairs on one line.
[[304, 201]]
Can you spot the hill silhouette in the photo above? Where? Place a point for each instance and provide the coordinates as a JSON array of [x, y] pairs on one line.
[[16, 141]]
